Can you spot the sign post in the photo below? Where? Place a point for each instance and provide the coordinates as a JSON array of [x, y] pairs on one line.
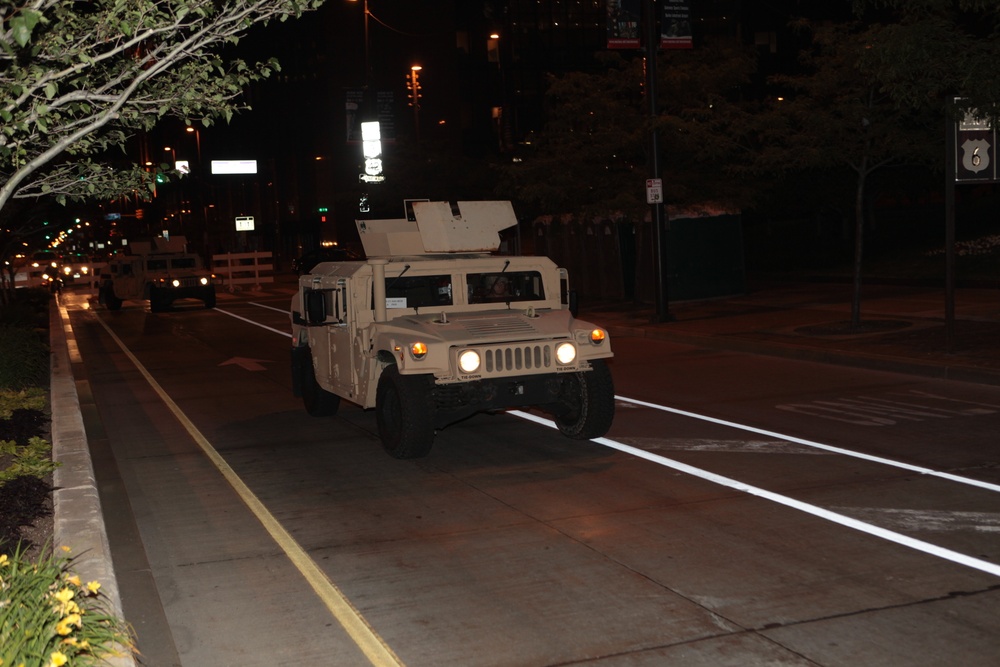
[[660, 292], [244, 223], [970, 157], [654, 190]]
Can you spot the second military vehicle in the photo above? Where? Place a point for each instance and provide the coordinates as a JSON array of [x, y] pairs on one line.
[[160, 271]]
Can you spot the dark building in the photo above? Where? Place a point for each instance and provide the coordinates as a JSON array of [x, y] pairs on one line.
[[485, 65]]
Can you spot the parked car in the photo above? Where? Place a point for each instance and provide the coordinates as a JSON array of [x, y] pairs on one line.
[[308, 260]]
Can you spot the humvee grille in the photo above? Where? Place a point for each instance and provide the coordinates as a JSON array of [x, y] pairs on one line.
[[189, 281], [531, 356]]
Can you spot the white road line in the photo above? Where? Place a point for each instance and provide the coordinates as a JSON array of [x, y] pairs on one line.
[[286, 334], [818, 445], [904, 540], [751, 429], [841, 519], [264, 305]]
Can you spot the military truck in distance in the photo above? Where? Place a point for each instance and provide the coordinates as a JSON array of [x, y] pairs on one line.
[[434, 327], [160, 271]]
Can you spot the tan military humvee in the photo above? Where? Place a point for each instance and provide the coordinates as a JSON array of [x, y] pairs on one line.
[[161, 271], [433, 328]]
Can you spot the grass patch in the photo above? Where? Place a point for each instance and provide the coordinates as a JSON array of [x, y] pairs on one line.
[[49, 617]]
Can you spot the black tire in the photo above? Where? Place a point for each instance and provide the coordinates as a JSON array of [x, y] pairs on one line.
[[317, 401], [588, 401], [405, 413], [111, 302], [210, 297], [156, 301]]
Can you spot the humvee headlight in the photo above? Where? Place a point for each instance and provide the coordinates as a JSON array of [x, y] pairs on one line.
[[469, 361], [565, 353], [418, 350], [84, 270], [67, 270], [597, 336], [175, 282], [204, 281]]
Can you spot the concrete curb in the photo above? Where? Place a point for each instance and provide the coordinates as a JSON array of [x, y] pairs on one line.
[[79, 519]]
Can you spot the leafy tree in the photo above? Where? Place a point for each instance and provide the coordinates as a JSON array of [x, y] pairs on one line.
[[927, 51], [836, 116], [876, 91], [78, 78], [589, 155], [590, 158]]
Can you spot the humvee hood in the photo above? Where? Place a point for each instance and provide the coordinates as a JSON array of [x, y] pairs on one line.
[[489, 326]]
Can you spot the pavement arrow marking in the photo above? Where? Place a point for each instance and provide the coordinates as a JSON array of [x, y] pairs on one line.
[[246, 363]]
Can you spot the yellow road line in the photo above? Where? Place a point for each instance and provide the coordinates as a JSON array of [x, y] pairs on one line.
[[360, 631]]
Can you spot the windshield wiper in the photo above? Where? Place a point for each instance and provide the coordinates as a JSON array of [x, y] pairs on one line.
[[389, 286]]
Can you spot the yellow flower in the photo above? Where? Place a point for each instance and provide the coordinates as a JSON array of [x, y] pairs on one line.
[[93, 586], [64, 627], [58, 659], [73, 579], [3, 561], [64, 596], [65, 548]]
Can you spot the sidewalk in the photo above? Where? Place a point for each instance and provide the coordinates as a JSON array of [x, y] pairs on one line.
[[902, 327]]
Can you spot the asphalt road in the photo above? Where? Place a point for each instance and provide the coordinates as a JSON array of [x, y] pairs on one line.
[[744, 510]]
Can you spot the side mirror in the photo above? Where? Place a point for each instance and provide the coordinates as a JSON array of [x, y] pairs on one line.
[[315, 306]]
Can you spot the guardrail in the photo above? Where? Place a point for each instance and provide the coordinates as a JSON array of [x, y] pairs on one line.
[[243, 268]]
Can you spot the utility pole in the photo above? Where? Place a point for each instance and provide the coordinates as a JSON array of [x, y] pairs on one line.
[[660, 292]]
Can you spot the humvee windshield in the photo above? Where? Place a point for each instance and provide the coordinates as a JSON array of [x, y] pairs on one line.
[[418, 291], [497, 287], [505, 286], [183, 263], [156, 264]]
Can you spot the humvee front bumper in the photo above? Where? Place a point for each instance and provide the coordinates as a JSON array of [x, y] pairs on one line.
[[456, 401]]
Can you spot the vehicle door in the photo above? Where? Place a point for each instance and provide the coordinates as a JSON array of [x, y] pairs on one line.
[[339, 339], [127, 282]]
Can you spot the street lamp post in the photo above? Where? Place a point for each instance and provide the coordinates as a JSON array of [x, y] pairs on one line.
[[661, 292], [178, 196], [197, 142], [368, 64]]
